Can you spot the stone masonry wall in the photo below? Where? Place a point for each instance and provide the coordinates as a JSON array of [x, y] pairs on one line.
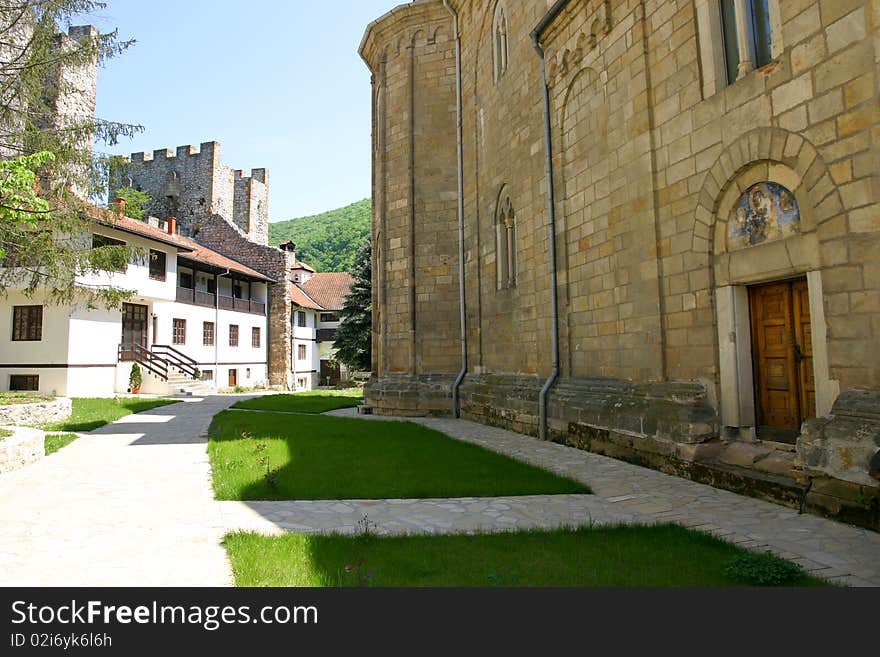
[[191, 182], [218, 234], [37, 413]]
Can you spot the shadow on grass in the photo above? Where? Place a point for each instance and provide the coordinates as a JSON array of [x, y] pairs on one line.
[[302, 402], [265, 456], [617, 556]]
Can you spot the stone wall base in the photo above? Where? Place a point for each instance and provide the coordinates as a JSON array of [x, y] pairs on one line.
[[670, 427], [53, 410]]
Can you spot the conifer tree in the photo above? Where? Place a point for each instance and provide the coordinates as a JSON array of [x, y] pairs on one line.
[[354, 338]]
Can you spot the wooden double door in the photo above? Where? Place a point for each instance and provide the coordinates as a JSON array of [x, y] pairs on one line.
[[785, 390], [134, 329]]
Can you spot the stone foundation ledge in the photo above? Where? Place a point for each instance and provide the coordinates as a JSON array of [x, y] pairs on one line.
[[44, 412], [843, 444], [23, 447], [410, 395]]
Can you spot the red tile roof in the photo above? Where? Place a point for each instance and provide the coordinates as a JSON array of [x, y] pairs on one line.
[[192, 250], [301, 299], [329, 289]]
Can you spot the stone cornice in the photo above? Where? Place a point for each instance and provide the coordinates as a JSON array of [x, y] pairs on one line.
[[384, 29]]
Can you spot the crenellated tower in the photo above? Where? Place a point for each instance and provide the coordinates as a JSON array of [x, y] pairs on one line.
[[193, 183]]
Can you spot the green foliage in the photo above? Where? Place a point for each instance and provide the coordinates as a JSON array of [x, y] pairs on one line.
[[316, 401], [91, 413], [328, 241], [763, 570], [43, 226], [136, 378], [323, 457], [136, 201], [354, 338], [608, 556], [53, 442]]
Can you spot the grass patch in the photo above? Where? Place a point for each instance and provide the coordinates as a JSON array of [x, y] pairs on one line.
[[54, 442], [654, 556], [10, 398], [5, 433], [313, 457], [315, 401], [91, 413]]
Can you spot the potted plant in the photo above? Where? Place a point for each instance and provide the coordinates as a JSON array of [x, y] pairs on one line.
[[135, 379]]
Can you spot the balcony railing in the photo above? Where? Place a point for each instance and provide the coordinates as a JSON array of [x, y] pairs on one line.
[[208, 299]]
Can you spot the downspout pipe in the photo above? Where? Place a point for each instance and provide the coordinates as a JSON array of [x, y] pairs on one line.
[[551, 217], [456, 398]]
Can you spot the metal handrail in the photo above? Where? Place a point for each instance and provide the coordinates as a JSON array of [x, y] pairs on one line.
[[143, 356], [178, 359]]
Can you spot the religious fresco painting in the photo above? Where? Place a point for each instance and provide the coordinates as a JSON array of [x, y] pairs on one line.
[[767, 211]]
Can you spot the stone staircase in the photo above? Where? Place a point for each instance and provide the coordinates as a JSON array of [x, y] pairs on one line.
[[183, 384]]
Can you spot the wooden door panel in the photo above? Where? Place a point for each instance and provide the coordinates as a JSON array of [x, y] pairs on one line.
[[803, 334], [776, 380]]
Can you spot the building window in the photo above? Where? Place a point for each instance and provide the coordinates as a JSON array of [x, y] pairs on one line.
[[157, 265], [207, 375], [208, 334], [500, 48], [255, 337], [212, 286], [236, 289], [233, 335], [329, 317], [301, 319], [185, 279], [179, 331], [747, 35], [109, 260], [24, 382], [27, 323], [301, 352], [302, 383], [505, 226]]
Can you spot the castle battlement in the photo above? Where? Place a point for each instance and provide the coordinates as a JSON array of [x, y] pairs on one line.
[[209, 150], [259, 175]]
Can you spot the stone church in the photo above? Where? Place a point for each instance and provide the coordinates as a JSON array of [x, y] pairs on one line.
[[646, 228]]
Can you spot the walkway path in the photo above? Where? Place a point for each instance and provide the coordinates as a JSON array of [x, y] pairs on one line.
[[623, 493], [129, 504]]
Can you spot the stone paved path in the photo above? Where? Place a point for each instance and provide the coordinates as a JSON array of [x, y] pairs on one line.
[[129, 504], [623, 493]]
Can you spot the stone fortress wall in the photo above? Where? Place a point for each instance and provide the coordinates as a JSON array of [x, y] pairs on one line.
[[190, 183]]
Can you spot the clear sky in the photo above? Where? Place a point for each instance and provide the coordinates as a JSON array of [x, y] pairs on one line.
[[278, 83]]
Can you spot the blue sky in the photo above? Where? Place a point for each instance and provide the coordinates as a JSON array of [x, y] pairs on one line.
[[278, 83]]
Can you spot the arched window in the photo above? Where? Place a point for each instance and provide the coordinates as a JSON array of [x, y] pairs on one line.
[[499, 39], [505, 227]]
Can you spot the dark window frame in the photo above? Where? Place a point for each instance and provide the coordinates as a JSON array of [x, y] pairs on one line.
[[301, 352], [31, 382], [157, 272], [233, 335], [256, 337], [209, 335], [27, 323], [301, 320], [178, 331]]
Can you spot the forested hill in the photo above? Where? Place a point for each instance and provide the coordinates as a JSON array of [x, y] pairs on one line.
[[328, 241]]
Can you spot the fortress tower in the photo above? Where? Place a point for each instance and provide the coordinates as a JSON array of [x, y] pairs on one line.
[[191, 183]]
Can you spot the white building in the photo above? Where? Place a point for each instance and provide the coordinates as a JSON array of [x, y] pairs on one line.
[[317, 299], [196, 320]]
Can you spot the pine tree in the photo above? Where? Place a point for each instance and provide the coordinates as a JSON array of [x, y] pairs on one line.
[[354, 338], [46, 135]]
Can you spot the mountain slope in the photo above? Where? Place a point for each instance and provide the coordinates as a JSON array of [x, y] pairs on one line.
[[329, 241]]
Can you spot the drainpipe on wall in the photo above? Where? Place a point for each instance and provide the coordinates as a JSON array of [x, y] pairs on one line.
[[217, 278], [456, 400], [551, 216]]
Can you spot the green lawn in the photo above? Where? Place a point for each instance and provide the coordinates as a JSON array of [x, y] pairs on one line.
[[56, 441], [312, 457], [91, 413], [315, 401], [5, 433], [7, 398], [656, 556]]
